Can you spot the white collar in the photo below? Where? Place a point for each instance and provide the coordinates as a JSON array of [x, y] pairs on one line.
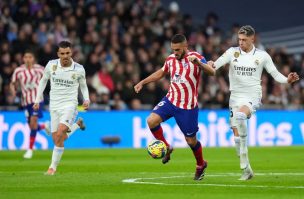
[[250, 52]]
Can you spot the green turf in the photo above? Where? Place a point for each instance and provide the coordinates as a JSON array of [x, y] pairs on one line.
[[99, 174]]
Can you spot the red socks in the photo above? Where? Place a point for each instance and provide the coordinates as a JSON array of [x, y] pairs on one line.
[[158, 134]]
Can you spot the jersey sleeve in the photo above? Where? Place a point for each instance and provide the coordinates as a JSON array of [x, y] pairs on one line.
[[42, 83], [268, 63], [224, 58], [272, 70], [14, 76], [166, 67], [83, 86]]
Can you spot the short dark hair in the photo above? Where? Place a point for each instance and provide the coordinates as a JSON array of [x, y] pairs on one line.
[[64, 44], [30, 51], [178, 38], [247, 30]]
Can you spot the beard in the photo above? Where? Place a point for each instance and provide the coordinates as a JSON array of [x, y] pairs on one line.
[[181, 55]]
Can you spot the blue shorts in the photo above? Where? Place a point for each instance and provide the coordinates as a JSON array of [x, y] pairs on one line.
[[29, 111], [187, 120]]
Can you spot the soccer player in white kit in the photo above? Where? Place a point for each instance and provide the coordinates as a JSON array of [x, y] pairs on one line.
[[246, 64], [66, 76]]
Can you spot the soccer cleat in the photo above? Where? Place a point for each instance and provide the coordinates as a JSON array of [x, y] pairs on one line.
[[50, 172], [47, 128], [200, 171], [28, 154], [167, 156], [247, 173], [81, 123]]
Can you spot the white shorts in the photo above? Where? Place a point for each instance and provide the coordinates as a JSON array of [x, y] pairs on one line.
[[236, 103], [65, 116]]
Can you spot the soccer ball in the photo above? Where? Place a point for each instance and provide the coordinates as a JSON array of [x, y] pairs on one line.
[[157, 149]]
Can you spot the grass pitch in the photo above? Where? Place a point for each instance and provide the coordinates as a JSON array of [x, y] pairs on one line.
[[131, 173]]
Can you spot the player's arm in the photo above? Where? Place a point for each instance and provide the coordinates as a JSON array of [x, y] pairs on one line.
[[222, 60], [279, 77], [151, 78], [13, 88], [207, 68], [84, 91], [13, 84], [42, 84]]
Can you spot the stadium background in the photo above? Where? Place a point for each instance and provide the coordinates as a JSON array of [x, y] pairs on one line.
[[121, 42]]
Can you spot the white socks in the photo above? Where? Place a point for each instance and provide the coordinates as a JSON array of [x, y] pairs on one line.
[[237, 145], [56, 157], [242, 130], [74, 127]]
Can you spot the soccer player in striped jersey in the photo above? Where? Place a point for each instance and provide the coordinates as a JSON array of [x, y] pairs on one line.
[[184, 68], [66, 76], [27, 76], [246, 64]]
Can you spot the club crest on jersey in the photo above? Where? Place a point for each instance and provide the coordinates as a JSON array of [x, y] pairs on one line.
[[54, 68], [235, 60], [73, 76], [185, 65], [257, 62], [236, 54]]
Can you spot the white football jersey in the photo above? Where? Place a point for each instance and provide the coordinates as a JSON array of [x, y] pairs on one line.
[[65, 82], [245, 70]]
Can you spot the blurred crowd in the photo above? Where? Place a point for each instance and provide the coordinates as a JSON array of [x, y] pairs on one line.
[[120, 42]]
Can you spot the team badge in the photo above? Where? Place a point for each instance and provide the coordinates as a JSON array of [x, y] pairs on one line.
[[257, 62], [73, 76], [235, 60], [54, 68], [236, 54], [185, 65]]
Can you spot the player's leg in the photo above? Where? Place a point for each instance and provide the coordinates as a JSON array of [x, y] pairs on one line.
[[161, 113], [33, 120], [65, 118], [234, 129], [241, 117], [187, 120], [79, 124], [58, 137]]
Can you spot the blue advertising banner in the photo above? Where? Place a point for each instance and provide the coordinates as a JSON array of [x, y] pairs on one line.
[[266, 128]]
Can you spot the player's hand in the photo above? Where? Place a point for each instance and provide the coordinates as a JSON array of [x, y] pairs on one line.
[[193, 59], [36, 106], [86, 104], [211, 63], [292, 77], [138, 87]]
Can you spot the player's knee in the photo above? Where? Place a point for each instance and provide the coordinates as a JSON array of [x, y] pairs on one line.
[[240, 116], [33, 123], [152, 122]]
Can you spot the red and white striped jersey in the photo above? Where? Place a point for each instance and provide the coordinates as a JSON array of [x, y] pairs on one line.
[[185, 77], [28, 80]]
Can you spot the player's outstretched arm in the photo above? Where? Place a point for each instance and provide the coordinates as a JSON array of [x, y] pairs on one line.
[[42, 84], [85, 92], [151, 78], [207, 68], [12, 87]]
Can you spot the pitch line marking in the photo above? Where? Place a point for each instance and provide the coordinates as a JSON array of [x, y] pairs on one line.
[[140, 181]]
